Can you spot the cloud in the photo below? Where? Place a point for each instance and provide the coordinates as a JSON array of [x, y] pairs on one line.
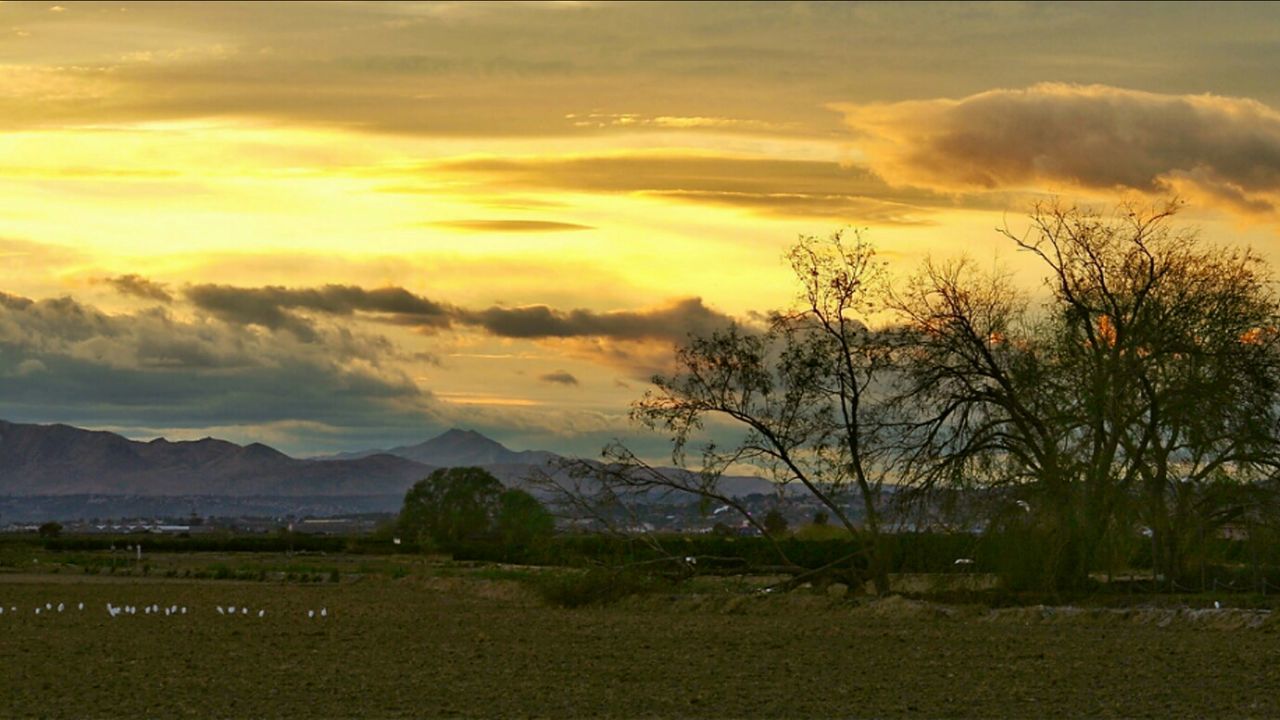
[[138, 286], [516, 226], [1094, 137], [559, 377], [673, 322], [604, 120], [637, 341], [14, 302], [64, 360], [272, 306], [779, 188]]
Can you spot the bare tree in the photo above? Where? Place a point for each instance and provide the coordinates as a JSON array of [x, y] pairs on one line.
[[1149, 371], [797, 397], [798, 392]]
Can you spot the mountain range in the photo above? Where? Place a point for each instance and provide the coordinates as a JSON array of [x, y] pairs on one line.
[[60, 460], [64, 460]]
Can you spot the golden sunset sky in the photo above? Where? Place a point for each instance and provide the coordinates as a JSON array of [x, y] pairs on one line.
[[336, 226]]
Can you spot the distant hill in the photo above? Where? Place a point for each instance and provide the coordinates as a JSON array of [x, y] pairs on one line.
[[59, 468], [460, 448], [64, 460]]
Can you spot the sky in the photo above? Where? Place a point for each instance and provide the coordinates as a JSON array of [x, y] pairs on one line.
[[339, 226]]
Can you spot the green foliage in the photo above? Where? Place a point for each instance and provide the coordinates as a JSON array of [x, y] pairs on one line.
[[467, 510], [522, 520], [452, 505], [50, 529]]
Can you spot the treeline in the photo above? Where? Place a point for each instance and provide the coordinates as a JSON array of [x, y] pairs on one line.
[[1239, 564], [274, 543]]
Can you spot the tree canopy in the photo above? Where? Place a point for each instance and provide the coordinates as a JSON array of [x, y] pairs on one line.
[[460, 505]]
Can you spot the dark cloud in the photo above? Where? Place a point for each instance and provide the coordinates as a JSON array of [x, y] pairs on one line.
[[273, 306], [1096, 137], [559, 377], [517, 226], [64, 360], [14, 302], [138, 286], [673, 323]]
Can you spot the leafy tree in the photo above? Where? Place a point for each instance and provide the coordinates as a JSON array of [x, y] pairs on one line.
[[522, 521], [468, 505], [51, 529]]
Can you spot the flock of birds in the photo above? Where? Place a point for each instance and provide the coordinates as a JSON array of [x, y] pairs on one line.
[[154, 609]]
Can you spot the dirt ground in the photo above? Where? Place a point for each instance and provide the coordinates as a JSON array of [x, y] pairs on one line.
[[458, 646]]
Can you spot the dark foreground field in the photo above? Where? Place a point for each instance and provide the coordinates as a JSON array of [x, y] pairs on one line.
[[431, 646]]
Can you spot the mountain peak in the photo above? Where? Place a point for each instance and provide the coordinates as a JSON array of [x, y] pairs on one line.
[[458, 435], [457, 447]]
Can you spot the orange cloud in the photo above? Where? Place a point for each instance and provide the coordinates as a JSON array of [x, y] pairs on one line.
[[1221, 150]]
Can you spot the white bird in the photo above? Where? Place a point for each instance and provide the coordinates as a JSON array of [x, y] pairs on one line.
[[166, 612], [231, 609], [48, 606], [184, 609], [964, 561], [38, 610], [80, 606], [311, 613], [324, 612], [1024, 505], [262, 613], [220, 610], [1, 610], [60, 606], [1217, 605]]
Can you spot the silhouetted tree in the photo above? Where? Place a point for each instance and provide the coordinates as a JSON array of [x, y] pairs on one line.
[[798, 390], [1150, 370]]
